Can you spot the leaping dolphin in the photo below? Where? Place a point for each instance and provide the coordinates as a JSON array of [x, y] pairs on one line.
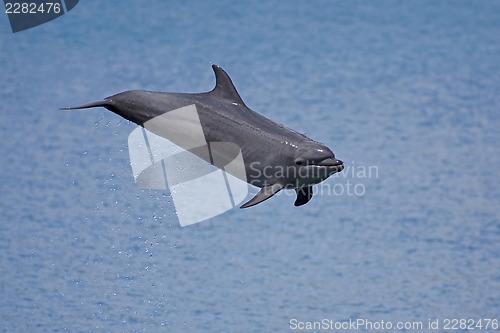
[[275, 156]]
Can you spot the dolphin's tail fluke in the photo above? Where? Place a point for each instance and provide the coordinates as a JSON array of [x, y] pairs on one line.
[[104, 103]]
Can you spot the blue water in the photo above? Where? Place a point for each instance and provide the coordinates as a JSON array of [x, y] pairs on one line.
[[410, 88]]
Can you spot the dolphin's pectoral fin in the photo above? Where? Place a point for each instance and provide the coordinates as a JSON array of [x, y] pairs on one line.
[[265, 193], [304, 194]]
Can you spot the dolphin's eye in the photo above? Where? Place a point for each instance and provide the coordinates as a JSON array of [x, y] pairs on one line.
[[299, 161]]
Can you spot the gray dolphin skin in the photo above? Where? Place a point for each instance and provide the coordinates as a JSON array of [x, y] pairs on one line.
[[275, 157]]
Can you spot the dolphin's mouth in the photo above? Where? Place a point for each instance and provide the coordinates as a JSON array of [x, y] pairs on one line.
[[332, 164]]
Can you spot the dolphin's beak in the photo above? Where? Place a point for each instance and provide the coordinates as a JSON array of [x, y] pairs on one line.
[[332, 162]]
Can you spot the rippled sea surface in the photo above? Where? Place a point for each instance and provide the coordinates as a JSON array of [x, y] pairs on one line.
[[407, 93]]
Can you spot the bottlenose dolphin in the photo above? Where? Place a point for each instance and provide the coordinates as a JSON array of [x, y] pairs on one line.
[[275, 156]]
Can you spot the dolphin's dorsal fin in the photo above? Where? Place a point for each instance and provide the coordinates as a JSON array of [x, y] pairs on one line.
[[224, 87]]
